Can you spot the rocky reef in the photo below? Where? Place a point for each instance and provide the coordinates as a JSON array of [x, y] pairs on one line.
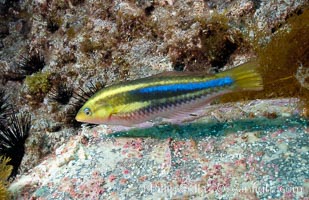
[[54, 54]]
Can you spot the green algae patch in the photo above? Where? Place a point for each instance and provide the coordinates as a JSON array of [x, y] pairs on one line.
[[284, 63], [217, 129], [38, 84]]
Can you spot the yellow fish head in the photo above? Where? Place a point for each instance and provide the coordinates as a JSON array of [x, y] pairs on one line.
[[90, 113]]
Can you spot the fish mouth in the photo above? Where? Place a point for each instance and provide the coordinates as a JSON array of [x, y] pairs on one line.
[[79, 118]]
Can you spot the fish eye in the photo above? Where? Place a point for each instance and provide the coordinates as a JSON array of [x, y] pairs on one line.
[[87, 111]]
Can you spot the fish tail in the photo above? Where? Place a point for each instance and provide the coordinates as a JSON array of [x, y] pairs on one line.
[[246, 76]]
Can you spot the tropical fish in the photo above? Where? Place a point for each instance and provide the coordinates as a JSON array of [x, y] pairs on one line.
[[166, 95]]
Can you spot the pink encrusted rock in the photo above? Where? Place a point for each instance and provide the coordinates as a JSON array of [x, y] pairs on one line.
[[112, 177]]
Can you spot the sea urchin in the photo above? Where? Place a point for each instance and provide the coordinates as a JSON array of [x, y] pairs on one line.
[[12, 139], [5, 109]]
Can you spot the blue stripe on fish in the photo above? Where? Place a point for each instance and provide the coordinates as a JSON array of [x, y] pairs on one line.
[[188, 86]]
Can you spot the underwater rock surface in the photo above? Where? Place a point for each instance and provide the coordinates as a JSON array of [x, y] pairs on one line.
[[231, 157]]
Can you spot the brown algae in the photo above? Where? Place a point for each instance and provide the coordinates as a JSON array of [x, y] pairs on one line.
[[284, 63]]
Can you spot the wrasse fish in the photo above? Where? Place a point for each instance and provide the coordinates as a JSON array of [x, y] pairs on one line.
[[165, 95]]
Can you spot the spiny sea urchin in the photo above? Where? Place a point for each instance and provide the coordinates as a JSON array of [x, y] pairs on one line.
[[32, 63], [5, 109], [61, 93], [12, 139], [83, 94], [29, 64], [80, 97]]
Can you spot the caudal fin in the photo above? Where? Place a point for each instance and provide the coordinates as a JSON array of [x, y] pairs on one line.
[[246, 76]]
